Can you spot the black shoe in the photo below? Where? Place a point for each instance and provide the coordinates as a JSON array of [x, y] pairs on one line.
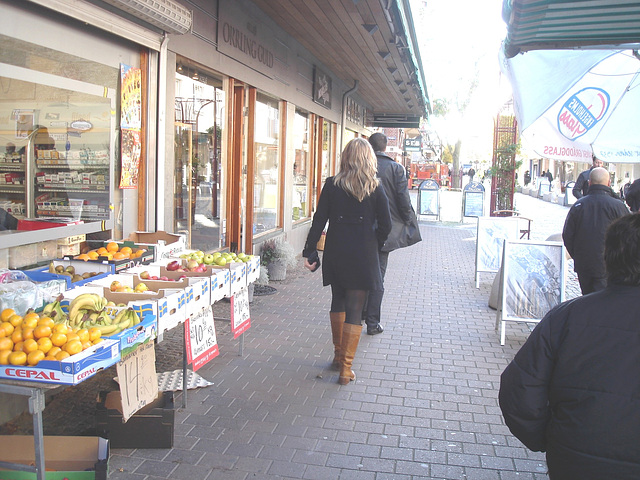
[[376, 329]]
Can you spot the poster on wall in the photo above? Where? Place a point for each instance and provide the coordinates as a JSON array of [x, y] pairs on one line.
[[130, 124], [130, 148]]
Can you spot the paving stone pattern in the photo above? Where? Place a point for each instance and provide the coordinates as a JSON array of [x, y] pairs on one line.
[[424, 405]]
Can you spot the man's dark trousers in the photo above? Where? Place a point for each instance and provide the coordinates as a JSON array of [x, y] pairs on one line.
[[374, 301]]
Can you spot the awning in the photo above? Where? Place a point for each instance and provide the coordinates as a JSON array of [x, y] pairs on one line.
[[563, 24]]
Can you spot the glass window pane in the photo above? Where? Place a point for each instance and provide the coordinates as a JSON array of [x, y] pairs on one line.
[[302, 166], [198, 175], [267, 166]]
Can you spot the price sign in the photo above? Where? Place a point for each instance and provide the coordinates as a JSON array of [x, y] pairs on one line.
[[200, 334], [138, 379], [240, 321]]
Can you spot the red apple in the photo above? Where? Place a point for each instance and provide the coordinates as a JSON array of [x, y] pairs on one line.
[[164, 279], [153, 277], [191, 264], [145, 275], [173, 266]]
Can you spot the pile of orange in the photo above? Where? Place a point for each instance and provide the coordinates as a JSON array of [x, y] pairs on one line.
[[29, 339], [112, 251]]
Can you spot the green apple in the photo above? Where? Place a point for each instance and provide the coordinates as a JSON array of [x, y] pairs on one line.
[[221, 261], [208, 259]]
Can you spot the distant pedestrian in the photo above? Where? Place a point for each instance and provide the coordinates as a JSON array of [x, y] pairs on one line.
[[471, 174], [584, 230], [581, 187], [572, 389], [357, 209], [527, 178], [549, 176]]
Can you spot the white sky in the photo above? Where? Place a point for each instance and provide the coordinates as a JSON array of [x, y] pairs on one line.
[[458, 38]]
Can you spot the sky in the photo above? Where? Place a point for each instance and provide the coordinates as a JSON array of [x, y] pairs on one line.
[[457, 40]]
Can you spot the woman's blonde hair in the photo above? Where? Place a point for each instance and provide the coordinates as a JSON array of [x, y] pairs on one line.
[[358, 167]]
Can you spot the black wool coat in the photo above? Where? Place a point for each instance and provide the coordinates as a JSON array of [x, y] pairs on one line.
[[356, 231], [573, 389]]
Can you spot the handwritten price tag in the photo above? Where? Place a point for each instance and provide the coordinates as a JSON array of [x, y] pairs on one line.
[[138, 379], [200, 334], [240, 321]]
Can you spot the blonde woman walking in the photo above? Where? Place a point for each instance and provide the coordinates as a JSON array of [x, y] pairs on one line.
[[357, 210]]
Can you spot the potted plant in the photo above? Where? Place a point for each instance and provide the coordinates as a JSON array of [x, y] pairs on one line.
[[277, 255]]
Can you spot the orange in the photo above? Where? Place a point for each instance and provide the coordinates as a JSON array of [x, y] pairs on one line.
[[27, 332], [45, 344], [82, 256], [102, 251], [83, 334], [93, 255], [8, 328], [17, 347], [72, 347], [34, 357], [29, 345], [42, 331], [86, 344], [94, 333], [47, 321], [6, 313], [4, 357], [53, 352], [30, 322], [119, 256], [58, 339], [60, 328], [97, 340], [109, 256], [112, 247], [18, 358], [6, 343], [126, 251], [33, 315], [72, 336], [16, 336], [61, 355], [50, 358], [15, 320]]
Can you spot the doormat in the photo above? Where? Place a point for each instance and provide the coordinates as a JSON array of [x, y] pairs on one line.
[[261, 290]]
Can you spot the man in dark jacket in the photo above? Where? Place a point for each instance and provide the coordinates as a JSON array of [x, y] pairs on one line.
[[582, 183], [393, 179], [632, 196], [572, 389], [584, 229]]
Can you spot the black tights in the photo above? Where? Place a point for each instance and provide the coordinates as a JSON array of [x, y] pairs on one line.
[[349, 301]]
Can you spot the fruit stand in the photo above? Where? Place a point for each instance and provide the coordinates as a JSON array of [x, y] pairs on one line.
[[108, 318]]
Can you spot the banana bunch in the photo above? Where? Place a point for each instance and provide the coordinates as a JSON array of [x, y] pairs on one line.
[[126, 318], [87, 306], [54, 311]]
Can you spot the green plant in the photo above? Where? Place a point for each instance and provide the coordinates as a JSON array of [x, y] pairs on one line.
[[278, 250]]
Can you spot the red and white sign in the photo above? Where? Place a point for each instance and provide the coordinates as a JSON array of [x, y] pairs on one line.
[[240, 318], [200, 335]]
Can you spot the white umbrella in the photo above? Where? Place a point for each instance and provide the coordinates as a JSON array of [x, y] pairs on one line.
[[569, 103]]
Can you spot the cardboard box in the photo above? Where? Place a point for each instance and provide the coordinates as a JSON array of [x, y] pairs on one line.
[[69, 371], [146, 258], [73, 458], [168, 305], [135, 336], [253, 269], [237, 277], [42, 274], [220, 277], [166, 245], [72, 239], [150, 427]]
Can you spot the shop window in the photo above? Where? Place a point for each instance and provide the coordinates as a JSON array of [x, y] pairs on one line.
[[302, 169], [198, 176], [267, 165]]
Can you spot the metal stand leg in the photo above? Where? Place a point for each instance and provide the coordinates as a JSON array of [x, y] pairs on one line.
[[36, 406], [184, 368], [241, 347]]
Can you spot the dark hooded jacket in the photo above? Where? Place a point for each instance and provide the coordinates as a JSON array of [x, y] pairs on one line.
[[573, 389]]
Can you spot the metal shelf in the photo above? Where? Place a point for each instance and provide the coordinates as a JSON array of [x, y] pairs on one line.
[[12, 167], [97, 166], [63, 189], [12, 188]]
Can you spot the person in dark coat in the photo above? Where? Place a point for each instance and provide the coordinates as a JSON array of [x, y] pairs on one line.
[[392, 178], [356, 207], [632, 196], [582, 183], [572, 389], [584, 229]]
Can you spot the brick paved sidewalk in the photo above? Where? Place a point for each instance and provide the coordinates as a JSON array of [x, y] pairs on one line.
[[424, 404]]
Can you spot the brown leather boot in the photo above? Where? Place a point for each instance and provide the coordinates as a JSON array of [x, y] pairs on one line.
[[350, 338], [337, 321]]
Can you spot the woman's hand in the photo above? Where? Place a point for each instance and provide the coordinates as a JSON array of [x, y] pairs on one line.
[[309, 266]]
